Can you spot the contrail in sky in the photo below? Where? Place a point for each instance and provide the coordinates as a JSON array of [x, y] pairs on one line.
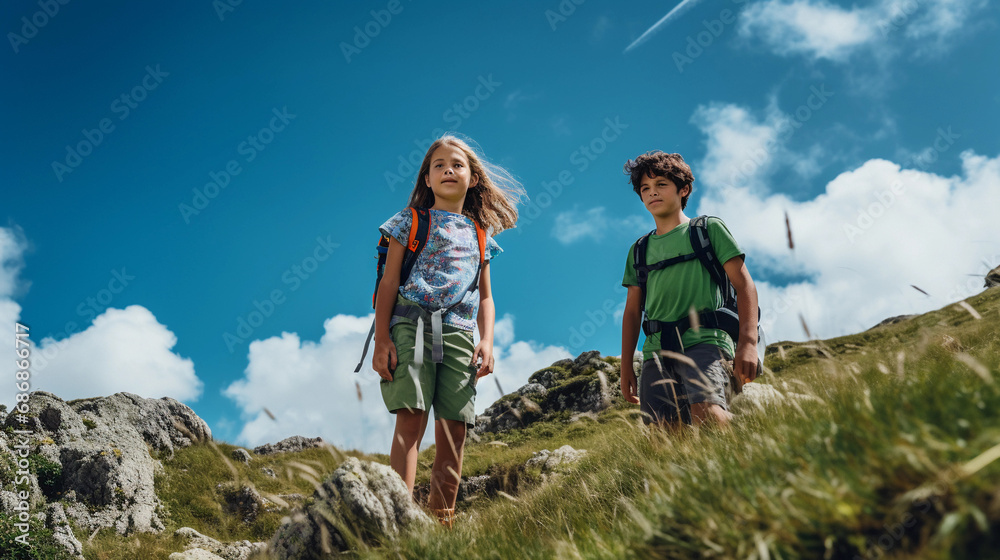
[[676, 12]]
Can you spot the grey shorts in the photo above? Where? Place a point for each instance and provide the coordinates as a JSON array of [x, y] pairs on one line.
[[667, 389]]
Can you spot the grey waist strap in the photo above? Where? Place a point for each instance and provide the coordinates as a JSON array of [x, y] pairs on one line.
[[418, 314]]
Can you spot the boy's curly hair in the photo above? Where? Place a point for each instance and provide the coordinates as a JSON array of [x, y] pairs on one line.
[[671, 166]]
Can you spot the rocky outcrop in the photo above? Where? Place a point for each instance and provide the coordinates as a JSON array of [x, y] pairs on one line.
[[241, 455], [893, 320], [587, 384], [993, 278], [200, 546], [361, 501], [288, 445], [555, 461], [62, 533], [243, 501], [99, 455]]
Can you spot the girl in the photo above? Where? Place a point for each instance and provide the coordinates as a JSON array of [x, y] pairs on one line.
[[437, 366]]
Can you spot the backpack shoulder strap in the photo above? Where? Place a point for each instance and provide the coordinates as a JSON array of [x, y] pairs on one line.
[[481, 237], [702, 245], [419, 230], [639, 264]]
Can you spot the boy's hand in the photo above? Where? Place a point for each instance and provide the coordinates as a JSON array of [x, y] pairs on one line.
[[484, 351], [384, 357], [629, 389], [745, 363]]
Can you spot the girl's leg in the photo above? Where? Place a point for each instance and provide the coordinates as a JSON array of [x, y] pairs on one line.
[[410, 425], [449, 441]]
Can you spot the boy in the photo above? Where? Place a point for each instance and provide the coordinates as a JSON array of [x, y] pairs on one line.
[[696, 388]]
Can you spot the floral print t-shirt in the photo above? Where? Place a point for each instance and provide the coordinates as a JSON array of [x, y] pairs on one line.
[[446, 266]]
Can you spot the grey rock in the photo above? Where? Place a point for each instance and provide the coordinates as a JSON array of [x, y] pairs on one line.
[[471, 487], [269, 472], [8, 501], [241, 455], [369, 499], [105, 461], [289, 444], [240, 550], [194, 554], [532, 389], [242, 500], [893, 321], [547, 377], [62, 532], [591, 386], [757, 396], [555, 461], [993, 278]]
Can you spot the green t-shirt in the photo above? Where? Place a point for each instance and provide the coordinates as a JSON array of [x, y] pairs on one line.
[[672, 291]]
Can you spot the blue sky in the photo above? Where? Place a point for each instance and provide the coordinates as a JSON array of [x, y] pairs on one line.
[[167, 168]]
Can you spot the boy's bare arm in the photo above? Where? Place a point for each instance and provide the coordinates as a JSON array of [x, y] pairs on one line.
[[745, 361], [631, 322]]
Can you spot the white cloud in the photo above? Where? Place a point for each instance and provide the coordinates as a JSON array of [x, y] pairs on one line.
[[123, 350], [574, 225], [515, 362], [819, 29], [743, 150], [873, 232], [311, 387], [12, 248]]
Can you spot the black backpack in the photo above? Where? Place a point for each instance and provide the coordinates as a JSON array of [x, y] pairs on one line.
[[725, 318]]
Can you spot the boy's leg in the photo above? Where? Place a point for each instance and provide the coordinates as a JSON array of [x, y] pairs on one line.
[[662, 397], [410, 425], [707, 384], [449, 442]]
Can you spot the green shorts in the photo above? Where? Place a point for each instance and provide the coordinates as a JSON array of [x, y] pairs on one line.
[[450, 387]]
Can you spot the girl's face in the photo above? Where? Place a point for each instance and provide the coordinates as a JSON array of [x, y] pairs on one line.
[[449, 175]]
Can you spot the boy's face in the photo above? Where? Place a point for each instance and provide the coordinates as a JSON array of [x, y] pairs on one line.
[[660, 195]]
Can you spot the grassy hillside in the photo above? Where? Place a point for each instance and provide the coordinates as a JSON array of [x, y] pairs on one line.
[[883, 444]]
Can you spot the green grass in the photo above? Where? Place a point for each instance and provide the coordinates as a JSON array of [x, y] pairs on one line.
[[885, 437], [880, 449]]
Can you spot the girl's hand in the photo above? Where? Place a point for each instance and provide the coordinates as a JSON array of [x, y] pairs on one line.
[[484, 350], [384, 357]]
